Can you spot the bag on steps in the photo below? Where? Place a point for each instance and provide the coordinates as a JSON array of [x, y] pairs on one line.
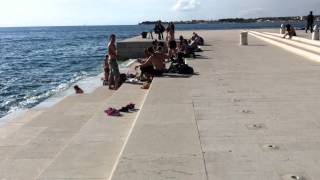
[[185, 69]]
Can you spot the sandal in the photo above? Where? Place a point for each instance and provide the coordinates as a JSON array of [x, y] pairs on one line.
[[131, 106], [145, 86], [112, 112], [124, 109]]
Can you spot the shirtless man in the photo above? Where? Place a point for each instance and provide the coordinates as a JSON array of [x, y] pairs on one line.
[[114, 73], [154, 65]]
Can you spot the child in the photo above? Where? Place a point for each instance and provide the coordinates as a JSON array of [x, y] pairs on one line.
[[106, 71], [78, 89]]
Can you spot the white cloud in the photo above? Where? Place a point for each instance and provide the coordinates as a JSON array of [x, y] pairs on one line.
[[185, 5], [253, 12]]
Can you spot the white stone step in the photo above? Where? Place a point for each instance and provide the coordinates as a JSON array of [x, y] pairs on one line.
[[299, 51], [299, 44], [298, 39]]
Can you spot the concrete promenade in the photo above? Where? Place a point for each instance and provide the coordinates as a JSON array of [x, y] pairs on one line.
[[75, 139], [250, 113]]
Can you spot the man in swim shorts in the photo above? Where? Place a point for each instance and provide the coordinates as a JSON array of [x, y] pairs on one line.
[[154, 65]]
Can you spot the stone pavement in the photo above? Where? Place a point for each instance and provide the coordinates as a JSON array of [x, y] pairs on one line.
[[75, 139], [251, 113]]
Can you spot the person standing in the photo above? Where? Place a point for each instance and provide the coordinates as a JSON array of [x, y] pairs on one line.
[[162, 29], [106, 70], [310, 21], [114, 73], [159, 29], [172, 27], [172, 44]]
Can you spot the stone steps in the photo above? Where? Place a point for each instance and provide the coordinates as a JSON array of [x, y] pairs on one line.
[[73, 139], [297, 39], [300, 48], [164, 142], [298, 44]]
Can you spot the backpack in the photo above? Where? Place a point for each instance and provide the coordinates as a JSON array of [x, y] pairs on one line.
[[185, 69], [123, 78]]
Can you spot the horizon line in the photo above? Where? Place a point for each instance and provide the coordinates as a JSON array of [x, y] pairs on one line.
[[37, 26]]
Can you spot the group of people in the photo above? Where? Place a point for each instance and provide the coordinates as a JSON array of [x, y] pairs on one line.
[[156, 56], [160, 52], [185, 46], [154, 62], [290, 30], [189, 46], [159, 29]]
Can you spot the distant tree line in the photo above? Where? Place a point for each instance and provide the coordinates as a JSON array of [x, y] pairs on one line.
[[236, 20]]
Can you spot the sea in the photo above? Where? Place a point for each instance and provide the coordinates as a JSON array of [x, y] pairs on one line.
[[40, 64]]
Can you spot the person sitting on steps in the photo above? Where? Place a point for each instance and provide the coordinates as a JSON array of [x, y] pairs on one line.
[[185, 48], [290, 31], [154, 65], [78, 90]]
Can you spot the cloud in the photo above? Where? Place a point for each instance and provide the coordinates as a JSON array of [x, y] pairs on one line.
[[253, 12], [185, 5]]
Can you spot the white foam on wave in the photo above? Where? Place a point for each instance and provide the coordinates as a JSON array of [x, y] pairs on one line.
[[88, 84]]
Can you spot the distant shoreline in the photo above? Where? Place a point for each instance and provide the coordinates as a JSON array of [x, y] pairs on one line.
[[291, 19]]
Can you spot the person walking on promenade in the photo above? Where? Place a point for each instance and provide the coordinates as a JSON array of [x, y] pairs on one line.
[[114, 73], [310, 21]]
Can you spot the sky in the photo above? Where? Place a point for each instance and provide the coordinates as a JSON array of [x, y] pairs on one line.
[[125, 12]]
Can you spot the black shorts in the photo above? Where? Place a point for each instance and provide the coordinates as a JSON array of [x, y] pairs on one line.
[[151, 71], [172, 44]]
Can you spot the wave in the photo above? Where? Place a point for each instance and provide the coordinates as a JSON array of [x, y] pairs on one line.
[[13, 104], [88, 82]]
